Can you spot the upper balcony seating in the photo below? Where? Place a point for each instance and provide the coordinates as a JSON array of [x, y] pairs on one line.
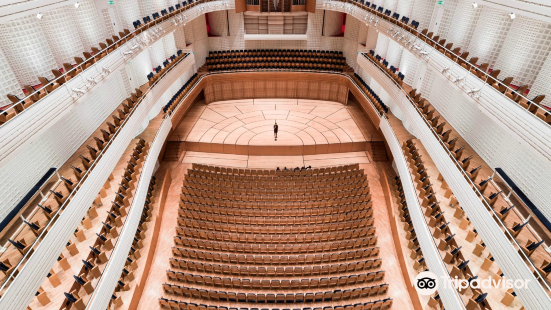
[[482, 71], [371, 94], [275, 59], [258, 233]]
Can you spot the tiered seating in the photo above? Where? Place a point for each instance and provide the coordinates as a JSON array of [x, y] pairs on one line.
[[49, 206], [167, 64], [275, 60], [180, 94], [381, 106], [251, 238], [383, 64], [482, 71], [34, 94]]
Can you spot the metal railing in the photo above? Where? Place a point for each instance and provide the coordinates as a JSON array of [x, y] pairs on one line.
[[79, 184], [473, 186], [82, 66]]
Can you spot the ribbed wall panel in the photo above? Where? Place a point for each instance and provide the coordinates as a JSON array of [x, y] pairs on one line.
[[8, 81], [489, 35], [90, 25], [60, 29]]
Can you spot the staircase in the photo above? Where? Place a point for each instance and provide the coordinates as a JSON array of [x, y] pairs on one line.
[[378, 151], [172, 151]]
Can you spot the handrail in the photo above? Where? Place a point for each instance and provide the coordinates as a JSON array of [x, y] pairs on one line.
[[472, 185], [80, 183], [418, 34], [85, 62], [426, 226]]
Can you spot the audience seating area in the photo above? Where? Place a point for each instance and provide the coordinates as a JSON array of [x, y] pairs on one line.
[[482, 71], [276, 60], [180, 94], [250, 238], [381, 106], [383, 64], [167, 64]]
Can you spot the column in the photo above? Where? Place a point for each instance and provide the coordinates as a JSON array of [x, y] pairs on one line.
[[408, 66], [8, 81], [180, 38], [372, 36], [390, 5], [157, 53], [169, 45], [160, 5], [422, 12], [394, 54], [404, 8], [464, 21], [61, 32], [27, 50], [333, 23], [130, 12], [542, 82], [489, 34], [382, 45], [90, 25], [147, 7], [525, 50]]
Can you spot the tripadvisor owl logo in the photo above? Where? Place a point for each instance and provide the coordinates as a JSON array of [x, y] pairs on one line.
[[426, 283]]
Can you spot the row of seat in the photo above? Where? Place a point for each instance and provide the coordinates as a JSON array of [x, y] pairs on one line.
[[212, 61], [299, 271], [302, 179], [275, 220], [275, 211], [277, 187], [266, 284], [165, 14], [273, 172], [167, 64], [383, 65], [276, 53], [171, 304], [288, 66], [329, 296], [276, 239], [295, 259], [245, 248], [181, 93], [379, 104], [312, 182], [331, 202], [34, 94]]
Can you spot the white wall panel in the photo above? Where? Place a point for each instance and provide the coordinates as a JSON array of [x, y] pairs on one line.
[[157, 53], [8, 81], [405, 8], [422, 12], [27, 50], [489, 35], [541, 84], [394, 54], [169, 45], [90, 25], [525, 50], [130, 12], [464, 21], [48, 150], [60, 29], [382, 45], [408, 66]]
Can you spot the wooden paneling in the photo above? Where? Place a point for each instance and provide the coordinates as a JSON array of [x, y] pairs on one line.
[[240, 6], [311, 6]]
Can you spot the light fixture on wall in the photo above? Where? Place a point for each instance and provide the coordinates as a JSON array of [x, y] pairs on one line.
[[389, 30], [458, 80], [445, 69], [424, 53], [77, 5], [366, 16], [39, 15], [511, 15], [475, 5]]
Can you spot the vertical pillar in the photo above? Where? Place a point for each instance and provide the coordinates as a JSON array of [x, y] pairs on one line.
[[8, 81], [394, 53], [542, 82], [382, 45], [404, 8], [419, 76], [130, 12], [408, 66], [147, 7], [422, 12], [27, 50], [180, 38], [61, 32], [157, 53], [90, 25], [391, 5], [372, 36], [525, 50], [169, 45], [464, 22], [489, 35], [362, 33]]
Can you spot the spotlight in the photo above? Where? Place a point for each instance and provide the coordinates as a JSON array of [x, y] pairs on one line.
[[78, 91], [77, 5], [417, 47], [423, 52], [128, 53], [459, 79], [511, 15], [39, 15], [366, 16], [473, 91], [475, 5], [445, 69]]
